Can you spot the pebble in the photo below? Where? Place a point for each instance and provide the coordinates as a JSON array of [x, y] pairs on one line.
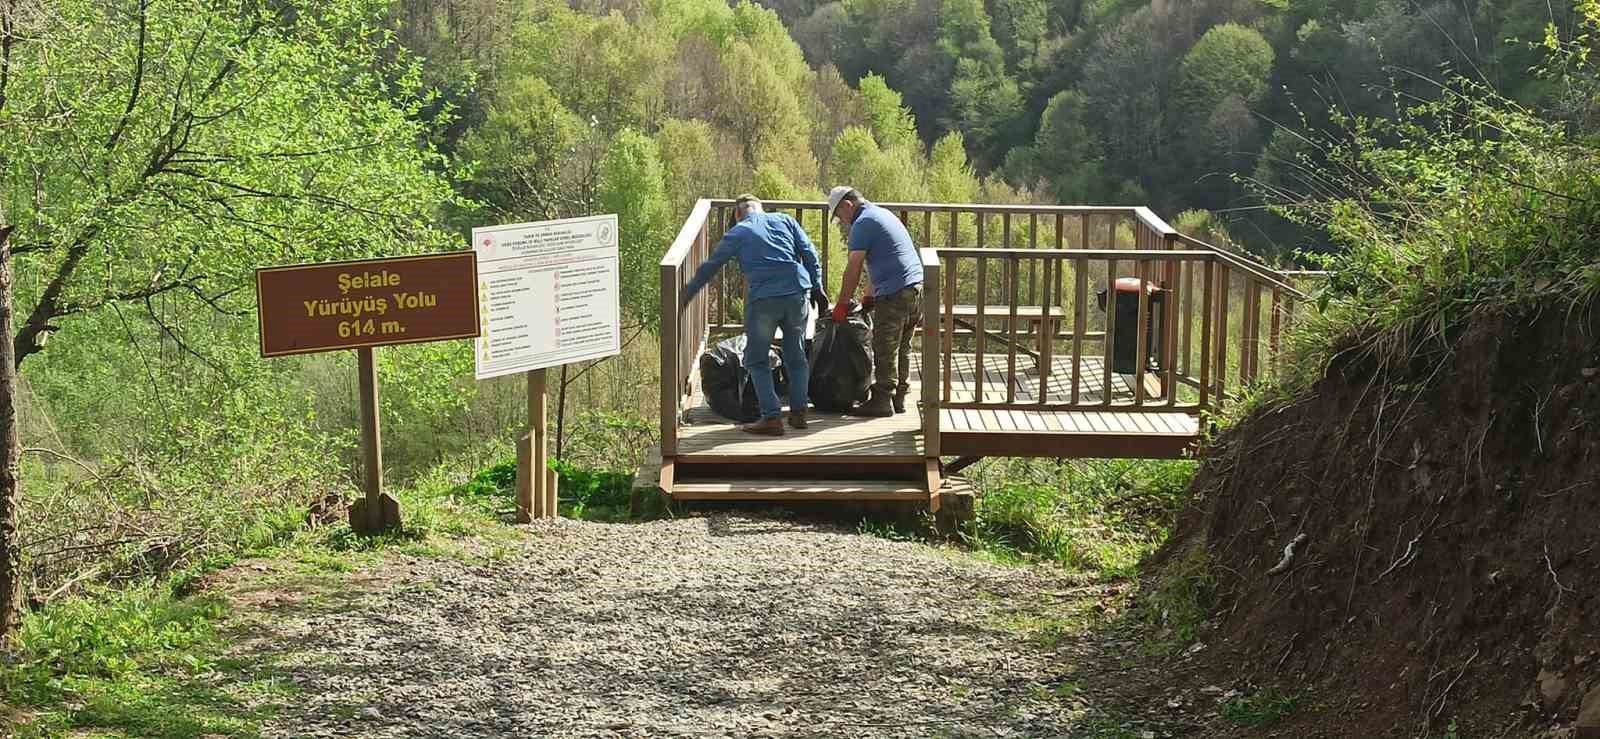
[[729, 624]]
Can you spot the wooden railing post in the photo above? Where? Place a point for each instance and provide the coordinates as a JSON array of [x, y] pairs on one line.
[[932, 371], [671, 384]]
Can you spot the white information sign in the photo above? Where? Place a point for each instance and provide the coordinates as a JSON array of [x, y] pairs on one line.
[[548, 294]]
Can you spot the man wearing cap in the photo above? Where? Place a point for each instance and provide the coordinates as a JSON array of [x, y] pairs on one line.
[[894, 290], [780, 265]]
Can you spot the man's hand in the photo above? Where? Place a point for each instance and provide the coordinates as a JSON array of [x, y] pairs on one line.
[[867, 302], [819, 299], [840, 311]]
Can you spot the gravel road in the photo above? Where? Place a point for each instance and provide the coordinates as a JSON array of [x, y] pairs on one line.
[[725, 625]]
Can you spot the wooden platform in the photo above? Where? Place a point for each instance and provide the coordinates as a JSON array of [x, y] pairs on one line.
[[835, 439]]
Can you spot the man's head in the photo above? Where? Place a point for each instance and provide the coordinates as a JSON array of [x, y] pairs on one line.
[[844, 204], [745, 205]]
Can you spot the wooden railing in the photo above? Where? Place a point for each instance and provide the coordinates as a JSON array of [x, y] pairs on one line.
[[932, 370], [684, 325], [1021, 275]]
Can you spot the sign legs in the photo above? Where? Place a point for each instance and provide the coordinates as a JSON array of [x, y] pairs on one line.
[[536, 482], [376, 510]]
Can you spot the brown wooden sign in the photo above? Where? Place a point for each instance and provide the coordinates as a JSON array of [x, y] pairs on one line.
[[309, 308]]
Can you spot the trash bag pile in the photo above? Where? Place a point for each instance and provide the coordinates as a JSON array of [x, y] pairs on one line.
[[727, 384], [841, 361]]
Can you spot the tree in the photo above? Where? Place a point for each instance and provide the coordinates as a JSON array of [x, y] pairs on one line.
[[165, 148], [517, 152], [1221, 78], [891, 122], [633, 186]]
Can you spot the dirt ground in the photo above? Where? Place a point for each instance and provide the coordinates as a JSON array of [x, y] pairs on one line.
[[723, 625]]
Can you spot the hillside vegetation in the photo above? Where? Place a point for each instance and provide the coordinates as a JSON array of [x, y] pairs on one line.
[[1438, 156]]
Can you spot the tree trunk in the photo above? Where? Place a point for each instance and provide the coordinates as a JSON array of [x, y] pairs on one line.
[[10, 453], [561, 414]]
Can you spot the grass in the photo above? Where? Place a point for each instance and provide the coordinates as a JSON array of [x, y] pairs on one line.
[[1260, 709], [153, 658], [1100, 517], [141, 660]]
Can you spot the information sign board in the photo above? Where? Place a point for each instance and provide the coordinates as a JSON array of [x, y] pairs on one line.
[[309, 308], [549, 294]]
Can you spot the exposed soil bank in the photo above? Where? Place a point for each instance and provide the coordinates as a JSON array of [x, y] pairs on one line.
[[1447, 508]]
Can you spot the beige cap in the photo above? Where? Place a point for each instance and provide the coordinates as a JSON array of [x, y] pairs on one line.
[[835, 195]]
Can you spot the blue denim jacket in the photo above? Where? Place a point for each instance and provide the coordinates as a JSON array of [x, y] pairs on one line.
[[774, 252]]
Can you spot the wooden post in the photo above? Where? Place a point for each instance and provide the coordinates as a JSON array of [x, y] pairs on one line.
[[534, 501], [376, 511]]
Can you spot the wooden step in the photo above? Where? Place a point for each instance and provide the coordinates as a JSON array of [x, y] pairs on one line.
[[729, 489]]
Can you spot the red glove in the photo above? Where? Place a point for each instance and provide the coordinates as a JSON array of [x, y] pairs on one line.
[[867, 301], [840, 311]]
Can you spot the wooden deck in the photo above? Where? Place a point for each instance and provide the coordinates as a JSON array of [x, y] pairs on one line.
[[1022, 300], [709, 438]]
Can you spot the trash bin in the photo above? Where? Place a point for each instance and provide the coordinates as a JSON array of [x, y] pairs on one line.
[[1124, 341]]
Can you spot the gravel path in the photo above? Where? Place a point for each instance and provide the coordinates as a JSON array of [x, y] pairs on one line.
[[728, 625]]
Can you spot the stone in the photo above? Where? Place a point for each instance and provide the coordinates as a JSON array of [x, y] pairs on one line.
[[1589, 714], [1552, 688]]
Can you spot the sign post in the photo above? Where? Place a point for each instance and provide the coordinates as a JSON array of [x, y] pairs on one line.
[[550, 297], [361, 305]]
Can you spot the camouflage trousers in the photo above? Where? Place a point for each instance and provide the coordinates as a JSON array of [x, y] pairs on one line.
[[894, 321]]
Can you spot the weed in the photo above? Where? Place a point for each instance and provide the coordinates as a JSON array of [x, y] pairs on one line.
[[1098, 516], [1260, 709], [141, 660], [886, 530], [1180, 599]]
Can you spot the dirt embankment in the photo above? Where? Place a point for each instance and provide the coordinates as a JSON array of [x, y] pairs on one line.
[[1447, 513]]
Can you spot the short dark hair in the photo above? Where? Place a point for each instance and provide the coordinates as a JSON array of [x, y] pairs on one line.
[[853, 196]]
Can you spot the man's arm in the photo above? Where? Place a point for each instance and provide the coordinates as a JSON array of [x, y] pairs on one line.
[[852, 275], [727, 249]]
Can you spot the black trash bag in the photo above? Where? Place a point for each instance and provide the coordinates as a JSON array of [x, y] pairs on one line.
[[841, 361], [727, 383]]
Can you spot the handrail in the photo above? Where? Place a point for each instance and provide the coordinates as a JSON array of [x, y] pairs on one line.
[[1223, 313], [1255, 268], [1152, 221], [683, 323], [1129, 254], [687, 234], [1094, 210]]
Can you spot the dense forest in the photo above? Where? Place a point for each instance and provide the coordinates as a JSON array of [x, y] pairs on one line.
[[1223, 106]]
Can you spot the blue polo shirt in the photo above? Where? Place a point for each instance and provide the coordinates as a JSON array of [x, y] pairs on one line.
[[892, 260], [774, 252]]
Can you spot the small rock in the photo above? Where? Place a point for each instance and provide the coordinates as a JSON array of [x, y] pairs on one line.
[[1213, 690], [1194, 650], [1146, 734], [371, 714], [1552, 688], [1589, 715]]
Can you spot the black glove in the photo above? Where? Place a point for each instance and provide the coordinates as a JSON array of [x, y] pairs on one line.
[[820, 299]]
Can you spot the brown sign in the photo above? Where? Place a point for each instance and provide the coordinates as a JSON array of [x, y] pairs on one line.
[[344, 305]]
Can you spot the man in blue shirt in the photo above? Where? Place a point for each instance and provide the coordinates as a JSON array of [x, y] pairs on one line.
[[780, 265], [894, 291]]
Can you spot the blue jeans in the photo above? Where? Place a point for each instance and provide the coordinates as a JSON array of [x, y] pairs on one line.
[[762, 318]]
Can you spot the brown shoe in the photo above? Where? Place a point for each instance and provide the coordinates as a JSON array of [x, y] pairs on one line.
[[878, 405], [797, 419], [764, 427], [900, 401]]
